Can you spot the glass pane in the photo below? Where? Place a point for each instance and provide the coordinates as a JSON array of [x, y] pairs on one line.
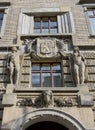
[[45, 22], [90, 13], [37, 31], [45, 30], [45, 67], [53, 22], [56, 67], [0, 28], [36, 80], [35, 67], [54, 30], [37, 23], [92, 24], [57, 79], [46, 80]]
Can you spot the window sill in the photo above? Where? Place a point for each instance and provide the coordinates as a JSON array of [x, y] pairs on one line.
[[92, 35], [38, 89], [45, 35], [86, 1], [5, 2]]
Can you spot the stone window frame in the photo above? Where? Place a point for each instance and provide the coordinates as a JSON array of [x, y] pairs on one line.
[[5, 8], [45, 12], [86, 7], [40, 71]]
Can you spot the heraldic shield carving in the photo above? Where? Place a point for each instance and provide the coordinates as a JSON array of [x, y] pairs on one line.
[[45, 48]]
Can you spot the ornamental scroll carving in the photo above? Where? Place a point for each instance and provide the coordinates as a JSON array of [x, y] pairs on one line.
[[44, 48]]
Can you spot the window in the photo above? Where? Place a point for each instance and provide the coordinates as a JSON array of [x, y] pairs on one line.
[[45, 25], [46, 75], [53, 24], [1, 18], [91, 16]]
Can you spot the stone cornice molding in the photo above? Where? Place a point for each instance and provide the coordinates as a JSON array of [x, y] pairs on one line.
[[86, 1], [5, 2]]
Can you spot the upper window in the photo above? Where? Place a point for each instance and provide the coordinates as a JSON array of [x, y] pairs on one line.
[[51, 24], [45, 25], [46, 75], [91, 16], [1, 18]]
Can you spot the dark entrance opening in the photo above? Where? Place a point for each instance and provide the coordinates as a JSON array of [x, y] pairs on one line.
[[47, 126]]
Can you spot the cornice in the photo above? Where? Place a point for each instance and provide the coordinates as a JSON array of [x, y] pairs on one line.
[[86, 1]]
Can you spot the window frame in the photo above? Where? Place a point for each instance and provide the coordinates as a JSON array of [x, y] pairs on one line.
[[47, 71], [86, 8], [40, 12], [43, 27], [5, 8]]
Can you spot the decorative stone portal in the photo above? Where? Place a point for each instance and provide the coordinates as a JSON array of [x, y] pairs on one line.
[[63, 119], [46, 125]]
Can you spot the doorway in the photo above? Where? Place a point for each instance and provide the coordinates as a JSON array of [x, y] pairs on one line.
[[47, 125]]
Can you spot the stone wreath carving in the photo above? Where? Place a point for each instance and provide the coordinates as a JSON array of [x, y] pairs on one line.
[[25, 102]]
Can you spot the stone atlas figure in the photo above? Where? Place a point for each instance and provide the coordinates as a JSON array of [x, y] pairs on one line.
[[80, 71], [13, 64]]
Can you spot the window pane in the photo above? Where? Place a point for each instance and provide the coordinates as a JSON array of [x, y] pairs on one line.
[[1, 16], [90, 13], [53, 22], [45, 30], [92, 24], [57, 79], [56, 67], [54, 30], [36, 80], [35, 67], [37, 23], [45, 67], [45, 22], [1, 20], [46, 80], [37, 31]]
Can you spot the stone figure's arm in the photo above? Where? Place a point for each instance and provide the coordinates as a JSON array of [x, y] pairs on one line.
[[83, 59], [8, 61]]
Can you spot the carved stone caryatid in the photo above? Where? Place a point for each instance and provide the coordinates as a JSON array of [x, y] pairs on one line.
[[80, 71], [13, 65]]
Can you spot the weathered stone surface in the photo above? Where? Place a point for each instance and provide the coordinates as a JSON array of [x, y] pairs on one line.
[[65, 62], [26, 63], [91, 70], [25, 78], [91, 77], [66, 70], [89, 55], [86, 99], [25, 70], [90, 62], [9, 99], [67, 78]]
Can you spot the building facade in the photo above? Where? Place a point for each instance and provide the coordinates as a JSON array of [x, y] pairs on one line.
[[47, 64]]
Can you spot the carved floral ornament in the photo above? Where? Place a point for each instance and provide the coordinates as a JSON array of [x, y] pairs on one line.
[[44, 48]]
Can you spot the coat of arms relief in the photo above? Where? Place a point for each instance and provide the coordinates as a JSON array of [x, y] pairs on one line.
[[45, 48]]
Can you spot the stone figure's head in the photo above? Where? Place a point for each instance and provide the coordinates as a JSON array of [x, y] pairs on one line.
[[76, 50], [47, 97], [14, 49]]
